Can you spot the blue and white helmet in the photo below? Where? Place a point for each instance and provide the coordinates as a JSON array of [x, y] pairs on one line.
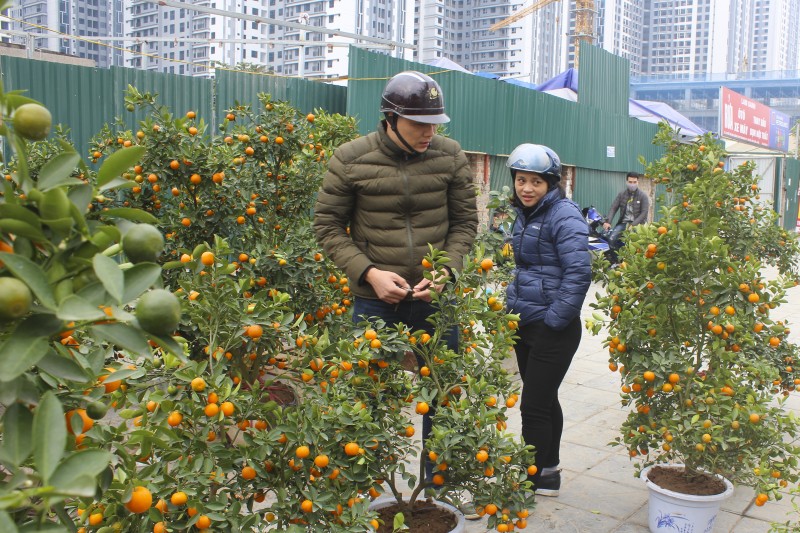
[[535, 158]]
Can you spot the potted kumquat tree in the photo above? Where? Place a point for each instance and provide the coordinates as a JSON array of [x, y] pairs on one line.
[[703, 365]]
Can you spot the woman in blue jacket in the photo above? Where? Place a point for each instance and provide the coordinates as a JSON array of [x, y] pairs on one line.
[[553, 273]]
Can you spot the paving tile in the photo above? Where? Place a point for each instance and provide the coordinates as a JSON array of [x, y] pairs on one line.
[[619, 468], [580, 373], [581, 458], [727, 521], [741, 499], [606, 497], [631, 528], [747, 525], [587, 434], [563, 518], [609, 418], [582, 393], [577, 411]]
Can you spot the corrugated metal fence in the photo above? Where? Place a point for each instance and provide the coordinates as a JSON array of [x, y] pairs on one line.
[[87, 98], [595, 135], [493, 117], [792, 180]]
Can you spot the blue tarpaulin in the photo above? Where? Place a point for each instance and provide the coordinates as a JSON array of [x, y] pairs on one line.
[[568, 79], [646, 110]]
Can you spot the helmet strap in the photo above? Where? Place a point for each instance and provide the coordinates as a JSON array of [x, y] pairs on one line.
[[392, 121]]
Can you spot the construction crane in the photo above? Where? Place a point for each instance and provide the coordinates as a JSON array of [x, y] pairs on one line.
[[584, 21]]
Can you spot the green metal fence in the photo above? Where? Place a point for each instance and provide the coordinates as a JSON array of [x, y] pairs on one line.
[[493, 117], [305, 95], [86, 98], [792, 181]]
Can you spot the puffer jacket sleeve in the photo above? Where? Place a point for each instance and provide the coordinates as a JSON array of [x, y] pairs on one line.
[[462, 211], [334, 207], [571, 238]]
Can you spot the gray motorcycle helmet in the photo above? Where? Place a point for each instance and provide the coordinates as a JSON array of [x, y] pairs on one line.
[[535, 158]]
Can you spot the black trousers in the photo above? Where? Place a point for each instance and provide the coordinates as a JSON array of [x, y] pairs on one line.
[[544, 356]]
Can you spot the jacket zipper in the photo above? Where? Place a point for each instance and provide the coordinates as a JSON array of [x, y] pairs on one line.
[[409, 232]]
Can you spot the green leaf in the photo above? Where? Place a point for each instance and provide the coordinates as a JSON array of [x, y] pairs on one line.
[[170, 345], [49, 435], [139, 278], [21, 229], [74, 307], [119, 162], [117, 183], [81, 196], [61, 367], [6, 523], [20, 351], [18, 212], [110, 275], [39, 528], [20, 389], [56, 172], [29, 272], [129, 213], [16, 99], [17, 433], [86, 463], [122, 335]]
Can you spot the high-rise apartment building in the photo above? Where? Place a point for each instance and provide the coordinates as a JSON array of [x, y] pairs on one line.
[[690, 37], [185, 41], [90, 18], [470, 42], [392, 20], [621, 30], [683, 37]]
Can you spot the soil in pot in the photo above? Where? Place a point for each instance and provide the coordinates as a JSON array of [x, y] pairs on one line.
[[427, 518], [677, 480]]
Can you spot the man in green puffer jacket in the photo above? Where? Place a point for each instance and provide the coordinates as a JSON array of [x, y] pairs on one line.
[[386, 197], [397, 190]]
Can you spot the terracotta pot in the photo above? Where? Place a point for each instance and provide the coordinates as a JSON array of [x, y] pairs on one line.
[[673, 511]]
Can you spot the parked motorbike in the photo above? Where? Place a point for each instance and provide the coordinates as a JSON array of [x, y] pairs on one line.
[[598, 237]]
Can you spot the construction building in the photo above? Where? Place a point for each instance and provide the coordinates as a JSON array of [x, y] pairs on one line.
[[91, 18]]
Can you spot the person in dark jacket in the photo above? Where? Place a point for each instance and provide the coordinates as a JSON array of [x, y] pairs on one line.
[[553, 273], [633, 206], [390, 194]]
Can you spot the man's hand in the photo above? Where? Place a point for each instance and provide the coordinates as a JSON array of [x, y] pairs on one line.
[[422, 290], [606, 225], [390, 287]]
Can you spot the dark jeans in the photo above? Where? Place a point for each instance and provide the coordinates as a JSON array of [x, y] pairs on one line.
[[615, 234], [544, 356], [413, 314]]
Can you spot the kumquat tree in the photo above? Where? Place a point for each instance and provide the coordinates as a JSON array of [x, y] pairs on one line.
[[177, 353], [703, 365]]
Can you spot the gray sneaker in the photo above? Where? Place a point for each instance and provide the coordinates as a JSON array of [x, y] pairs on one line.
[[548, 485]]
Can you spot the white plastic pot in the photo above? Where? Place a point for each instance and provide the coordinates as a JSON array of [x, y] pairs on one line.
[[673, 511], [387, 501]]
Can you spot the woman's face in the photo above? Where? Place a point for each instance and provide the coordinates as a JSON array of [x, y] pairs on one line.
[[530, 187]]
